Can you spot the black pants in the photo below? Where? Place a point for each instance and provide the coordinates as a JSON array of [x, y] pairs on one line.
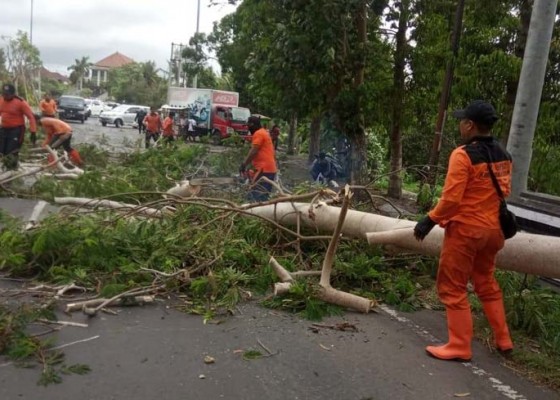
[[149, 136], [168, 140], [11, 140], [260, 190], [65, 144]]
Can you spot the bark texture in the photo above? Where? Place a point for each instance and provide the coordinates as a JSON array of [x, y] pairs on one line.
[[526, 252]]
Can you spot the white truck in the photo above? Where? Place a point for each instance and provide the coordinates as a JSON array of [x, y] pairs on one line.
[[216, 112]]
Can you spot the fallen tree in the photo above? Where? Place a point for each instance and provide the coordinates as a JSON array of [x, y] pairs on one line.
[[56, 162], [326, 292], [526, 253]]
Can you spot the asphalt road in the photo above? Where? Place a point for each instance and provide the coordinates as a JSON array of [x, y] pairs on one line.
[[108, 137], [155, 352]]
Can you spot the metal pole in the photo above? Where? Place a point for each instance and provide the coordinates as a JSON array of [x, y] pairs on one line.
[[31, 25], [198, 17], [529, 91], [195, 79]]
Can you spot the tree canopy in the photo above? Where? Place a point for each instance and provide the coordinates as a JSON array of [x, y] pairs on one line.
[[315, 59], [137, 83]]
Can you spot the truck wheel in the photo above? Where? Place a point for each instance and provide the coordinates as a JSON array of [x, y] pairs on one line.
[[216, 137], [118, 123]]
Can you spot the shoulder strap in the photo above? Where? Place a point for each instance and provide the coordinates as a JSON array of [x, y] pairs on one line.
[[491, 172]]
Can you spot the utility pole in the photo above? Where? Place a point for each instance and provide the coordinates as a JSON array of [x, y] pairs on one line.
[[529, 91], [31, 43], [445, 93], [195, 79], [31, 25]]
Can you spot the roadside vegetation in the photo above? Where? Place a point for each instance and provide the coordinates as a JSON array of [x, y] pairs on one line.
[[207, 260], [357, 78]]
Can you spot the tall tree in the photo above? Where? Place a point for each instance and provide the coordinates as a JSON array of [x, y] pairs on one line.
[[130, 84], [3, 69], [23, 63], [401, 51], [195, 56], [79, 70]]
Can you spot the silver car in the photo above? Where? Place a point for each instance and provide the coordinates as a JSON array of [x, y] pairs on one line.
[[121, 115]]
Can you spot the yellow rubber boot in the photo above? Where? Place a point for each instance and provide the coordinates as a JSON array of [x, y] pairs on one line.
[[460, 331], [496, 316]]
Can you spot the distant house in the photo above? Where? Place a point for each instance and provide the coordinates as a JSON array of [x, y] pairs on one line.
[[46, 74], [99, 71]]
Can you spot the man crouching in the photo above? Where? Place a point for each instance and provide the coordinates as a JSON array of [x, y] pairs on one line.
[[59, 133]]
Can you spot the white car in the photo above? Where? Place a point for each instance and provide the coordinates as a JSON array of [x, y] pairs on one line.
[[121, 115], [95, 107]]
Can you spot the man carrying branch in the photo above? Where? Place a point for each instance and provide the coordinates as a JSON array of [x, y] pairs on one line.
[[469, 212]]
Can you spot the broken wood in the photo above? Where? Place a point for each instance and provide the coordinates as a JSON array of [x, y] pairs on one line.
[[63, 323], [326, 292], [115, 205], [134, 300], [525, 253], [184, 189]]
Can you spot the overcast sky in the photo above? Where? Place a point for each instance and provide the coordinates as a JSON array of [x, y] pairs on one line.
[[143, 30]]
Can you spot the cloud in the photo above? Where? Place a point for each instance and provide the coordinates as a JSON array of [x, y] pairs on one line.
[[64, 30]]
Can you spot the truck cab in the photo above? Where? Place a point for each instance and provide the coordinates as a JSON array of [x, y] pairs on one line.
[[229, 121]]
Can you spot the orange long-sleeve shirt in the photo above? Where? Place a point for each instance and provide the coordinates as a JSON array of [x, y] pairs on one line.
[[52, 127], [48, 107], [168, 127], [264, 160], [152, 122], [469, 196], [13, 111]]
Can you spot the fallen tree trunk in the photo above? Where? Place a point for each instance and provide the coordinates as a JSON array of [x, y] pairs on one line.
[[526, 252], [326, 292], [92, 203]]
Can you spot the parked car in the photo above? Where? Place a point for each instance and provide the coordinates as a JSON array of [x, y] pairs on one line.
[[95, 107], [121, 115], [72, 108], [109, 105]]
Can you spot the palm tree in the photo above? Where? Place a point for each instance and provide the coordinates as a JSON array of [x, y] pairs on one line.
[[80, 69], [149, 72]]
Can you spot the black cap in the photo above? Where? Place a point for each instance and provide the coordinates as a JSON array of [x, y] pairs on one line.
[[8, 88], [254, 121], [479, 111]]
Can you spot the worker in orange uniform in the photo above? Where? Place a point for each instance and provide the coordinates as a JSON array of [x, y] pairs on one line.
[[12, 127], [469, 212], [167, 129], [262, 157], [59, 133], [48, 106], [152, 122]]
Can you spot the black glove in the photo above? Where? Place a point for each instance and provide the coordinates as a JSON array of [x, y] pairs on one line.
[[423, 227], [33, 139]]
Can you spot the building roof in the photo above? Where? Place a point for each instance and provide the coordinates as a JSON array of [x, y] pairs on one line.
[[45, 73], [115, 60]]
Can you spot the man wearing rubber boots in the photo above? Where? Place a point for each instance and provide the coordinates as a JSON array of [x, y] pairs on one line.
[[59, 133], [468, 210], [12, 128]]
